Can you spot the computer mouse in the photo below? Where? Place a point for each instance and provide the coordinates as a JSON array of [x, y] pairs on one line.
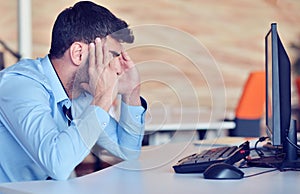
[[223, 171]]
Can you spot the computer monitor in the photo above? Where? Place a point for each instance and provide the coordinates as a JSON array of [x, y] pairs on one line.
[[280, 126], [278, 86]]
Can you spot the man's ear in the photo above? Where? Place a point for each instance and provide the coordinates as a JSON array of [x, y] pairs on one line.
[[76, 52]]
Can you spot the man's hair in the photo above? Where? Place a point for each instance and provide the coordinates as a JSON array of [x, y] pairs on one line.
[[84, 22]]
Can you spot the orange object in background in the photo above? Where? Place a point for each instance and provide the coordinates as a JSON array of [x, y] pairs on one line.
[[250, 108], [251, 103]]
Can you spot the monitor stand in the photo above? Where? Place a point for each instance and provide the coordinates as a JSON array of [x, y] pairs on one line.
[[283, 158]]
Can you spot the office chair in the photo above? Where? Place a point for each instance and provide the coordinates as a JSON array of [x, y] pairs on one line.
[[250, 108]]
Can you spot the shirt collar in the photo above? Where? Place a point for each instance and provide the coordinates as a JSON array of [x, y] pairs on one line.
[[59, 92]]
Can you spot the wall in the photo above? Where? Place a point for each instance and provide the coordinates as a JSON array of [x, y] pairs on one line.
[[196, 52]]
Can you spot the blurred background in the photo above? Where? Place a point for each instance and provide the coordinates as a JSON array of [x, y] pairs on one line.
[[230, 34]]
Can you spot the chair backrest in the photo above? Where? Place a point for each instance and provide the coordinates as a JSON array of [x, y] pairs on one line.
[[252, 100]]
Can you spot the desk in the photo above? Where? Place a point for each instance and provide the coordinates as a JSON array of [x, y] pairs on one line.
[[153, 174], [183, 120]]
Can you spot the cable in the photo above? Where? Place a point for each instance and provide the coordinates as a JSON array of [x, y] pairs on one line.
[[293, 144], [261, 155], [272, 170], [264, 172], [258, 151]]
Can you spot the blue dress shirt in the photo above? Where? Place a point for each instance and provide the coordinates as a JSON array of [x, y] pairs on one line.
[[35, 139]]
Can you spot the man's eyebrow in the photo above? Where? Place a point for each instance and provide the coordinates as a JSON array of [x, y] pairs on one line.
[[114, 53]]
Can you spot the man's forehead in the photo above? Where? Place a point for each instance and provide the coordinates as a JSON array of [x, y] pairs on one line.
[[113, 44]]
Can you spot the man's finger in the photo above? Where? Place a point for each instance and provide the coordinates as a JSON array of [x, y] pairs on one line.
[[92, 59], [105, 53], [127, 62], [99, 52]]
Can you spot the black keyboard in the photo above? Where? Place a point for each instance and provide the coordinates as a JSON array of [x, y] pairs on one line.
[[198, 162]]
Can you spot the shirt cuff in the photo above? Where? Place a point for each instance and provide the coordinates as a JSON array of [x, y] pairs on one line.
[[134, 113]]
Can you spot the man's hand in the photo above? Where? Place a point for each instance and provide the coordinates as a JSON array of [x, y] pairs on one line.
[[129, 81], [103, 80]]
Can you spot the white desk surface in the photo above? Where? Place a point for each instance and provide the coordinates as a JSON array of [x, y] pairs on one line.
[[153, 173]]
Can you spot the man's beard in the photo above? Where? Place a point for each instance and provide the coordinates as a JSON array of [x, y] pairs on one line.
[[81, 76]]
